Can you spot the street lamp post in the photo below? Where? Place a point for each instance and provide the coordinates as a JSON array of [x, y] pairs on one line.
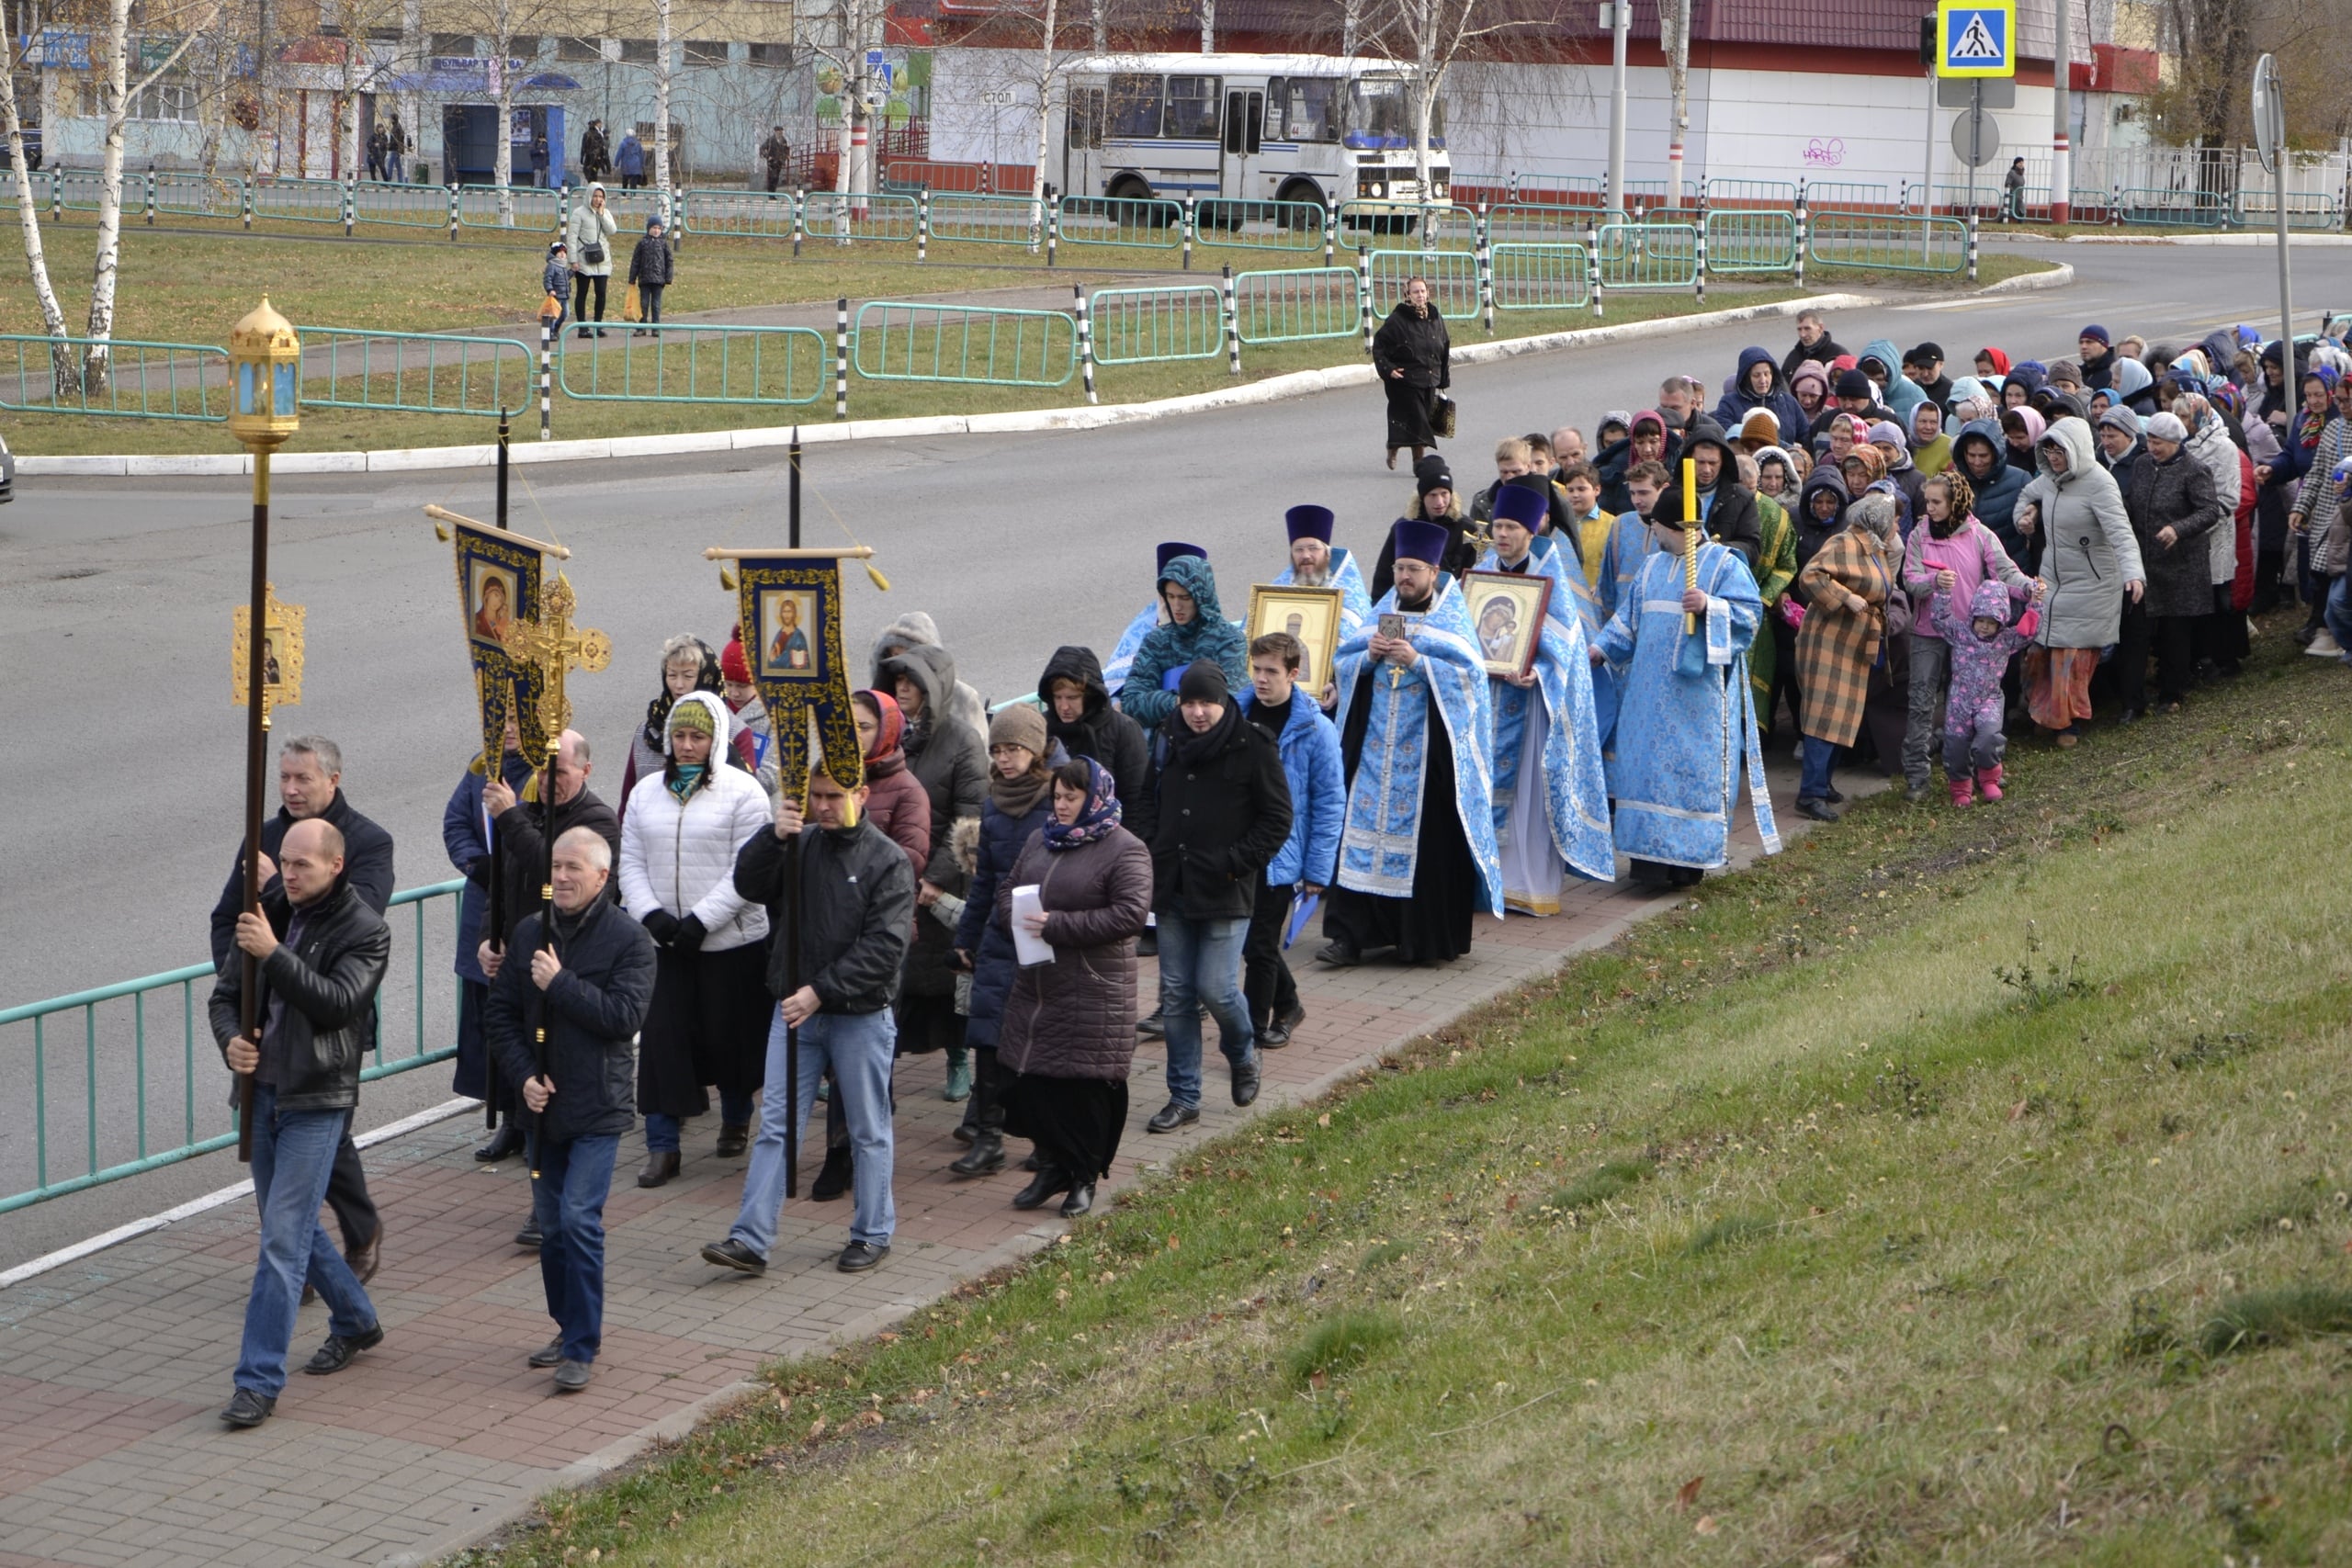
[[265, 366]]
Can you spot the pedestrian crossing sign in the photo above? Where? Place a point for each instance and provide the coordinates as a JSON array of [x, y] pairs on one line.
[[1978, 38]]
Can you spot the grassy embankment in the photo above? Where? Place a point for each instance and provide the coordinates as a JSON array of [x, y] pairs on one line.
[[1964, 1187], [189, 288]]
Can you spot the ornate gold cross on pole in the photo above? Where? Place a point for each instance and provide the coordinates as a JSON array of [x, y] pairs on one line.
[[552, 646]]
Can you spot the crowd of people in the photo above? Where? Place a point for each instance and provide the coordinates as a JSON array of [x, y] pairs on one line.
[[1910, 565]]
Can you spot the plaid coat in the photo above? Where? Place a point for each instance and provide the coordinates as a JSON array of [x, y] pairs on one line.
[[1845, 586]]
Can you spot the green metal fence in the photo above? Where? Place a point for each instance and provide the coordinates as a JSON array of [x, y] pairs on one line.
[[974, 220], [402, 206], [528, 207], [1298, 305], [849, 218], [896, 341], [1774, 196], [1741, 239], [141, 380], [1580, 191], [2305, 209], [1147, 223], [1534, 223], [1648, 256], [1260, 225], [2176, 208], [1827, 196], [76, 191], [188, 194], [298, 202], [750, 213], [1137, 326], [134, 1097], [1883, 242], [351, 367], [1365, 224], [1453, 278], [1542, 277], [698, 364]]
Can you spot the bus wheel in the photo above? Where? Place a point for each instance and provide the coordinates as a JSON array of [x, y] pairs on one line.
[[1301, 194]]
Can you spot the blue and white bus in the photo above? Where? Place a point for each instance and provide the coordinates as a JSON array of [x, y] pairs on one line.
[[1242, 127]]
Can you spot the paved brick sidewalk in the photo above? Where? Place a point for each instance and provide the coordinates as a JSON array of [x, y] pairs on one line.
[[112, 1369]]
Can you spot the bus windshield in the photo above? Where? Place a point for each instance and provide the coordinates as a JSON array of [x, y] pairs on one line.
[[1381, 105]]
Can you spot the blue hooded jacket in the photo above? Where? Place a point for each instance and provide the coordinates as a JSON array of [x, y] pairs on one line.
[[1902, 394], [1996, 494], [1739, 402], [1208, 635]]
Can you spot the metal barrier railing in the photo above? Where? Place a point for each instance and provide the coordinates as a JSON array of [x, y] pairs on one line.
[[1453, 278], [188, 194], [750, 213], [141, 380], [1298, 305], [405, 205], [416, 372], [1536, 223], [974, 220], [1582, 191], [1883, 242], [1541, 276], [510, 206], [165, 1083], [2184, 209], [1184, 320], [1365, 222], [896, 341], [848, 217], [1648, 255], [298, 202], [74, 190], [1146, 223], [931, 174], [698, 364], [1772, 195], [1741, 239], [2305, 209], [1847, 196], [1260, 225]]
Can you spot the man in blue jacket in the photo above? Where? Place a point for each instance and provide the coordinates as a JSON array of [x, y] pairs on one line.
[[1310, 744]]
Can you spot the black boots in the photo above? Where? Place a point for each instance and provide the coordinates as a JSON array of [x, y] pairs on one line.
[[985, 1157], [661, 1165], [835, 1178], [1048, 1180]]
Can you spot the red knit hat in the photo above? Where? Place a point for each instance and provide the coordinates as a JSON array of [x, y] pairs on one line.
[[733, 666]]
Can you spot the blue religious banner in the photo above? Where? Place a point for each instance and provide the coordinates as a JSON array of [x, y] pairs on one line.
[[789, 602], [501, 577]]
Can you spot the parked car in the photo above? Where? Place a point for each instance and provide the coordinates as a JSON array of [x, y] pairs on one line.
[[33, 148], [8, 473]]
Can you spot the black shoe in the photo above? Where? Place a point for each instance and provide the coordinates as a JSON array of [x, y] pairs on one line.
[[1081, 1198], [571, 1377], [732, 1141], [338, 1352], [530, 1235], [1340, 954], [965, 1130], [1245, 1079], [1273, 1037], [1291, 1017], [600, 331], [367, 1257], [1834, 796], [548, 1355], [860, 1256], [247, 1408], [985, 1157], [1819, 810], [1044, 1185], [661, 1165], [1153, 1027], [834, 1178], [504, 1143], [1916, 794], [1170, 1116], [1032, 1164], [734, 1254], [2129, 715]]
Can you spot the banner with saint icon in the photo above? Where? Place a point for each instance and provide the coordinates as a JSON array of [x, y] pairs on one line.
[[500, 577], [790, 606]]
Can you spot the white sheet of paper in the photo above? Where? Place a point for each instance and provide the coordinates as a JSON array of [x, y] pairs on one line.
[[1030, 951]]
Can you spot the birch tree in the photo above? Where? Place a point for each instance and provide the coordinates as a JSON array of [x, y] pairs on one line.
[[1427, 39], [498, 23], [840, 32], [1674, 37], [362, 66]]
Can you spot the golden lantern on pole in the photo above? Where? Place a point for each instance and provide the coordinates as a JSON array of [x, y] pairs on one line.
[[264, 408]]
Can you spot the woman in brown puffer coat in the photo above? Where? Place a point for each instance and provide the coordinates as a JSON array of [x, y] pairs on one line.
[[1069, 1034]]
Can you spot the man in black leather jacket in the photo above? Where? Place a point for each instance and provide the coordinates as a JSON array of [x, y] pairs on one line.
[[320, 954]]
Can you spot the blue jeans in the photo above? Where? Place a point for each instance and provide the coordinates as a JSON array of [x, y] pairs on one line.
[[1200, 961], [2338, 611], [293, 1155], [576, 1176], [1813, 779], [858, 1046], [661, 1132]]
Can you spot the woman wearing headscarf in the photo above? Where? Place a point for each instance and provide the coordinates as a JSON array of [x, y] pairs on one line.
[[1412, 355], [1809, 390], [688, 664], [2173, 507], [2132, 387], [1069, 1036], [1776, 566], [1840, 653], [709, 1023], [2219, 635], [2073, 504], [2315, 445], [1756, 385], [1017, 806]]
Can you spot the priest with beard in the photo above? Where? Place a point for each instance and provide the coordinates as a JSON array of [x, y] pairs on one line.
[[1416, 849], [1315, 562]]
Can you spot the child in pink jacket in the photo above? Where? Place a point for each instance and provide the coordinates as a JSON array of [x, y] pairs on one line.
[[1981, 648], [1949, 552]]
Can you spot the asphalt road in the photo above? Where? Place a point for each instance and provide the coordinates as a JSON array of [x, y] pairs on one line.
[[119, 798]]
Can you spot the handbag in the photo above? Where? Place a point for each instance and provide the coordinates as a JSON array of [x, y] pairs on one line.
[[632, 310], [1441, 415], [591, 254]]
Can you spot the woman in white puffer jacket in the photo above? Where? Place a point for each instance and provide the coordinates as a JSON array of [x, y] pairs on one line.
[[709, 1020]]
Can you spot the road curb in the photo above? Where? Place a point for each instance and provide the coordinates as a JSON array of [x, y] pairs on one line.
[[2059, 276], [1274, 389], [2245, 239]]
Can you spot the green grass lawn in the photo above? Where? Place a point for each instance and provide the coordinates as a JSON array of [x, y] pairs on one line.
[[1957, 1187]]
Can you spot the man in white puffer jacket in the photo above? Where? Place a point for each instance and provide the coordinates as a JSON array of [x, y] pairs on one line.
[[709, 1019]]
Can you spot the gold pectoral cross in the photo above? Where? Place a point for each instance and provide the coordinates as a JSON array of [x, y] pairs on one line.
[[552, 646]]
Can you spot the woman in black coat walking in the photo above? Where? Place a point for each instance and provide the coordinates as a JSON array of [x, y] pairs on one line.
[[1412, 354], [2172, 506]]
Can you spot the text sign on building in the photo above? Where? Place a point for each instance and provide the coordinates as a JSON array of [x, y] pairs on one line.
[[1976, 38]]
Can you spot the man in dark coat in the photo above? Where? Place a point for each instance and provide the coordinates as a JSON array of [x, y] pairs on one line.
[[1080, 715], [775, 152], [1924, 369], [1851, 393], [1215, 813], [466, 828], [563, 1018], [595, 151], [1726, 507], [320, 954], [1813, 342], [857, 911], [310, 780]]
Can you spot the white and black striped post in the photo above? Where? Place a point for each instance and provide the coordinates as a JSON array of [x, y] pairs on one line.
[[2114, 205], [1085, 341], [1364, 295], [841, 357], [563, 208], [1330, 235], [1485, 262], [453, 212], [547, 377], [797, 217], [350, 203], [1188, 234], [57, 195], [1699, 256], [1053, 230], [246, 201], [1971, 244], [1800, 235], [1592, 266], [922, 225], [1232, 327], [150, 195]]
